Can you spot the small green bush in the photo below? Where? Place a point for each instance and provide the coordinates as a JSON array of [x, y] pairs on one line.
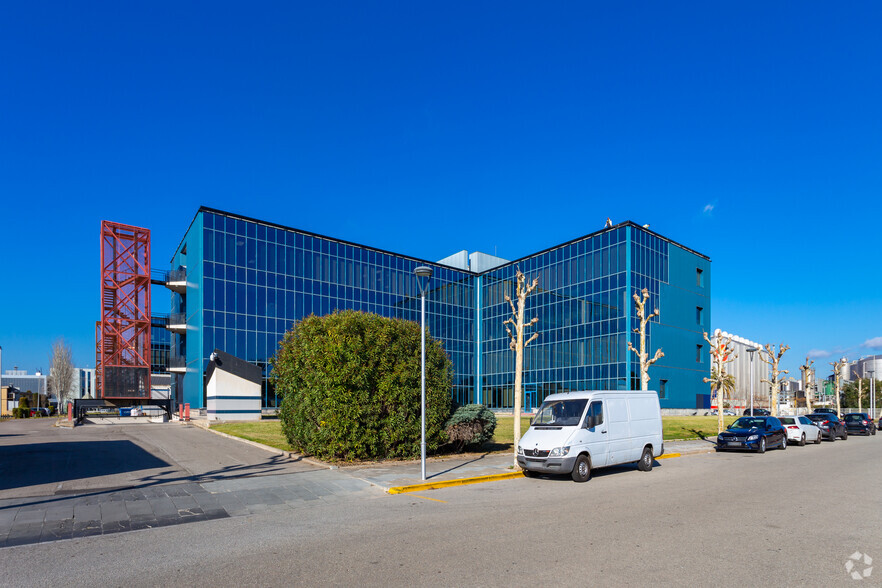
[[350, 383], [21, 412], [470, 427], [23, 402]]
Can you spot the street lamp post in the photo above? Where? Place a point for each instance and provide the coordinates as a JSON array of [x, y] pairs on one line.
[[751, 351], [424, 274], [872, 393]]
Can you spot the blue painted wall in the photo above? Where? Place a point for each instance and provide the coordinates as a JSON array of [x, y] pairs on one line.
[[678, 331]]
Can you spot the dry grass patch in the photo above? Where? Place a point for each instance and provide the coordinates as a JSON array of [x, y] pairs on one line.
[[267, 432]]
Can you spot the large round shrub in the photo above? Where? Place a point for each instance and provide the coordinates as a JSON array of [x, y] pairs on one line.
[[350, 383]]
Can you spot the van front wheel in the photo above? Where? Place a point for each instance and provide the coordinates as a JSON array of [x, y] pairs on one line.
[[645, 463], [582, 469]]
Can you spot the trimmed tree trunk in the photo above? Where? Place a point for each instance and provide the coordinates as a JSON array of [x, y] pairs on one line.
[[773, 359], [860, 393], [642, 355], [806, 370], [837, 370], [517, 344], [721, 353]]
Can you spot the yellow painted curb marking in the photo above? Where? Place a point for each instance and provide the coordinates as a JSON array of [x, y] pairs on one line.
[[668, 456], [458, 482]]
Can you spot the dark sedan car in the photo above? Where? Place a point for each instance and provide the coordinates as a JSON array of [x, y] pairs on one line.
[[756, 412], [825, 411], [830, 425], [755, 433], [859, 422]]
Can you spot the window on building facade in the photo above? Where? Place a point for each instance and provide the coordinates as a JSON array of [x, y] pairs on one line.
[[699, 278], [698, 353], [663, 389], [698, 314]]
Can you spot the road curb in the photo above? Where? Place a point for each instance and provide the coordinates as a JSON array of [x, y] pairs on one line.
[[456, 482]]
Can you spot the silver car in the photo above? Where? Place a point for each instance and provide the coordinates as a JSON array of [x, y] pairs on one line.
[[800, 429]]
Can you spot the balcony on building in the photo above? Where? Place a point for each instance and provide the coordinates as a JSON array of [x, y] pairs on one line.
[[177, 364], [175, 280], [176, 322]]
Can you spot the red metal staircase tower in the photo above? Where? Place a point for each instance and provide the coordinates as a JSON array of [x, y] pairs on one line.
[[123, 334]]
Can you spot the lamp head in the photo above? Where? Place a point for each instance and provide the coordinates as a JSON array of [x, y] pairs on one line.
[[423, 271]]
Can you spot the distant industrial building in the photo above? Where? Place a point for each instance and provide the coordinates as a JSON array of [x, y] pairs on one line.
[[748, 369], [20, 379], [83, 384], [865, 367]]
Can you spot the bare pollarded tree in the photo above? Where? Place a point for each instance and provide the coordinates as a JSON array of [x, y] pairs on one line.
[[722, 383], [773, 358], [642, 354], [807, 373], [837, 373], [61, 371], [517, 344]]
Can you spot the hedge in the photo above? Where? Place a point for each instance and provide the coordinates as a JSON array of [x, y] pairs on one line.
[[350, 387]]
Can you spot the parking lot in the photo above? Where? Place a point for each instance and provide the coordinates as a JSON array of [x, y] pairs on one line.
[[58, 483], [42, 460]]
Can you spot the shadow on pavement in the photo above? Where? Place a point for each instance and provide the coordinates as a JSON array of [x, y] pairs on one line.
[[598, 473], [32, 464], [457, 466], [161, 478]]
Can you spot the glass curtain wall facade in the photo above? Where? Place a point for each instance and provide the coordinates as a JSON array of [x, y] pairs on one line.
[[160, 349], [581, 307], [248, 281], [587, 316]]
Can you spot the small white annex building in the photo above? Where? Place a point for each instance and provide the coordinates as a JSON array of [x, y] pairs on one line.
[[233, 389]]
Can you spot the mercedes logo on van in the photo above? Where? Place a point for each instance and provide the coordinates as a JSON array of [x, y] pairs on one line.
[[535, 452]]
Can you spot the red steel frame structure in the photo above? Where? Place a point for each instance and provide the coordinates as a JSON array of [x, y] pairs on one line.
[[123, 334]]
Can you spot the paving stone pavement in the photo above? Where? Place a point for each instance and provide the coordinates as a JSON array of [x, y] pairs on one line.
[[50, 518]]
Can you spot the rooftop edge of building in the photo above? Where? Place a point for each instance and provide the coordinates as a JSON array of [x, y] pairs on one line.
[[483, 260]]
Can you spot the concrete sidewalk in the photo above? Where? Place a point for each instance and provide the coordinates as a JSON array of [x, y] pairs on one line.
[[456, 470]]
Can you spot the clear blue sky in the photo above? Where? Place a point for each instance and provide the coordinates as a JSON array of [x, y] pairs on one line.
[[750, 131]]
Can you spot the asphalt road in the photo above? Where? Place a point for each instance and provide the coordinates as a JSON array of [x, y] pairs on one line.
[[786, 518]]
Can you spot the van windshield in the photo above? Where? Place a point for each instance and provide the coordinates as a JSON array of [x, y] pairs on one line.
[[560, 413]]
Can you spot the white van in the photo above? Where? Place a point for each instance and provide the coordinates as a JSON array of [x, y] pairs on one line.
[[576, 431]]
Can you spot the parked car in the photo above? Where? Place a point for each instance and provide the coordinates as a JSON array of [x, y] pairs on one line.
[[859, 422], [38, 412], [726, 412], [830, 425], [756, 412], [800, 429], [825, 411], [576, 431], [756, 433]]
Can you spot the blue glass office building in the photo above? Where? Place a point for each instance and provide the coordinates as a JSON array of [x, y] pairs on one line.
[[248, 280]]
